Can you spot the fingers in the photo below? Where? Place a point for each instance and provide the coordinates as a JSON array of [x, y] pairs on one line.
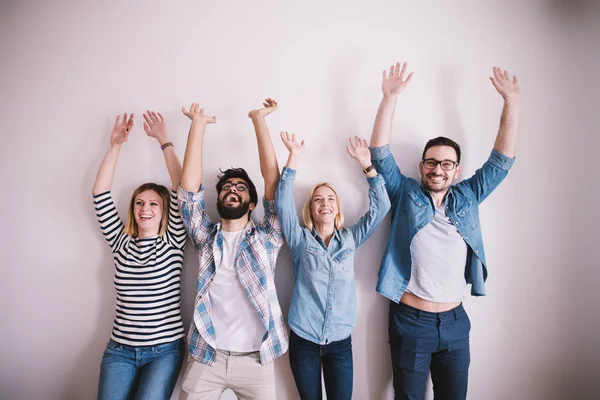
[[147, 128], [384, 75], [498, 74], [118, 120], [147, 118], [515, 80], [391, 71], [130, 123], [506, 76], [403, 71]]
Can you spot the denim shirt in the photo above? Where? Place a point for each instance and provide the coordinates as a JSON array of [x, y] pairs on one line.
[[413, 208], [323, 305]]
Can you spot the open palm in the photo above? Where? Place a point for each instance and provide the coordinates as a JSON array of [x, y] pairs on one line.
[[120, 132], [394, 83]]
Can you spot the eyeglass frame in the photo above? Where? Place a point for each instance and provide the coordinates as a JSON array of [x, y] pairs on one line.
[[228, 185], [454, 164]]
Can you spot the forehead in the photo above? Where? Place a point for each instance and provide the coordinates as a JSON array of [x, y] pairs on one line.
[[148, 195], [235, 180], [323, 191], [441, 153]]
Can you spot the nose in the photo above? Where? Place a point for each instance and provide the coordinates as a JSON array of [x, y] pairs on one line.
[[438, 168]]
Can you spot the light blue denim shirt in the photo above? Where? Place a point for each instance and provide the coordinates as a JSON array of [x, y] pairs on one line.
[[412, 209], [323, 306]]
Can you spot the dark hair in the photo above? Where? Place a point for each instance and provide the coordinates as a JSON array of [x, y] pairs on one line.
[[237, 173], [442, 141]]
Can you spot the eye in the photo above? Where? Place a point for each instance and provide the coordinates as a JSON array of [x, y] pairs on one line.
[[139, 203], [153, 204]]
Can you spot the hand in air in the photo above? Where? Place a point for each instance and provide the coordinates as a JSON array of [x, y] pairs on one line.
[[197, 114], [359, 150], [289, 140], [509, 89], [269, 105], [121, 130], [155, 126], [394, 83]]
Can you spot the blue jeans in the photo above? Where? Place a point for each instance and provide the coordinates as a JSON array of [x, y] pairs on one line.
[[306, 359], [421, 341], [129, 372]]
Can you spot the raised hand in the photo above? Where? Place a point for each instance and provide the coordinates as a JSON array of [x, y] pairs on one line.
[[120, 132], [503, 84], [269, 105], [289, 140], [197, 114], [359, 150], [155, 126], [394, 83]]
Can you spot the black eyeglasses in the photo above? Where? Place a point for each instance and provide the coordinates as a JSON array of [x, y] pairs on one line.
[[446, 165], [240, 186]]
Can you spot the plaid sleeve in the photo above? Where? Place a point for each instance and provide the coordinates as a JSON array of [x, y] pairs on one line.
[[196, 222], [270, 225]]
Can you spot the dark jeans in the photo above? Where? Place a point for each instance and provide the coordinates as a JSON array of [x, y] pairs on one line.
[[306, 359], [421, 341], [147, 373]]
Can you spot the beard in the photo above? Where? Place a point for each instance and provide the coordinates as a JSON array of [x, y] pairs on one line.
[[437, 188], [232, 212]]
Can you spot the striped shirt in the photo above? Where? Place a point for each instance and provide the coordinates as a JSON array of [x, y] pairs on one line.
[[147, 277], [257, 251]]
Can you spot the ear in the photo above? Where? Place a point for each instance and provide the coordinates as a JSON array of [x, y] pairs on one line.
[[457, 172], [251, 206]]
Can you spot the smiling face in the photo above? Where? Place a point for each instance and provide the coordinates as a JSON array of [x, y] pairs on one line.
[[234, 199], [148, 212], [323, 206], [436, 179]]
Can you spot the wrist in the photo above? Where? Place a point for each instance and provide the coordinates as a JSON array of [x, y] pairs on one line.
[[389, 98], [512, 99]]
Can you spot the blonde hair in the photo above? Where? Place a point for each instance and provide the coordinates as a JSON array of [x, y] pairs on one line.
[[307, 216], [131, 227]]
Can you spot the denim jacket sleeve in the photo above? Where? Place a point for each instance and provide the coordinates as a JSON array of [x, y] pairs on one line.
[[385, 164], [379, 205], [286, 209], [488, 177]]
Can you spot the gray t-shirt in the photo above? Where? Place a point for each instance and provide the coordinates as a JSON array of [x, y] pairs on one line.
[[439, 256]]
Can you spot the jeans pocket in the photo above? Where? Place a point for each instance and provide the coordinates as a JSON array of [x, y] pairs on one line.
[[112, 345]]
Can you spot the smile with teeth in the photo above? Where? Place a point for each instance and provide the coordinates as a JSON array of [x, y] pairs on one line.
[[232, 198], [437, 179], [326, 211], [146, 217]]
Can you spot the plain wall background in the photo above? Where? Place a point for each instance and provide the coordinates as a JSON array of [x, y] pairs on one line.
[[67, 68]]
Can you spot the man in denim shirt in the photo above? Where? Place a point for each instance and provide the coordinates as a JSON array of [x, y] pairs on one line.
[[435, 246]]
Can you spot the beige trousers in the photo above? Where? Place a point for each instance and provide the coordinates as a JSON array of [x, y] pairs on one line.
[[240, 372]]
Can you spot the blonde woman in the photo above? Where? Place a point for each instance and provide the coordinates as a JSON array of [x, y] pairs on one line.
[[145, 352], [323, 307]]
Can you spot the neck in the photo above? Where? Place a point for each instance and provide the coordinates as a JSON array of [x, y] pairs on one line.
[[438, 197], [234, 225], [143, 234], [325, 231]]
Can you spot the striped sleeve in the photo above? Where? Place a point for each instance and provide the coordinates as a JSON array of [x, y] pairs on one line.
[[108, 218], [175, 234]]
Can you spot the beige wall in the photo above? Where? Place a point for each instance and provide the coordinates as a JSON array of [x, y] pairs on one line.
[[67, 69]]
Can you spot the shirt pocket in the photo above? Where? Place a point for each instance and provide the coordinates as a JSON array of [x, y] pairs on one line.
[[468, 214], [315, 257], [345, 260]]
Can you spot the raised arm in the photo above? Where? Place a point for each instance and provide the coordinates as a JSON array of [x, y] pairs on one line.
[[284, 199], [359, 150], [156, 127], [191, 177], [392, 85], [506, 141], [266, 153], [379, 201], [106, 172]]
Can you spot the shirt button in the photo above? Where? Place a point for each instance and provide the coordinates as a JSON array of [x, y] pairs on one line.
[[466, 237]]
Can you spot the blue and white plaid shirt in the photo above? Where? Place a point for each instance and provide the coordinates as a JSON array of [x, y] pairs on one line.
[[257, 251]]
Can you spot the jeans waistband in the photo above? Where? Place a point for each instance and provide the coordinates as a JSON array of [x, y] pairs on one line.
[[449, 315]]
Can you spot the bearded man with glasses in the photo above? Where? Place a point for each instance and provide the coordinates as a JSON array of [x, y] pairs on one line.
[[435, 246], [237, 329]]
